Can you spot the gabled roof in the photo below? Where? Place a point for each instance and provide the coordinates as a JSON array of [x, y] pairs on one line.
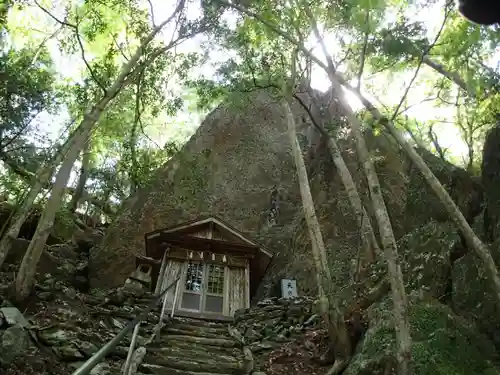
[[214, 234], [228, 232]]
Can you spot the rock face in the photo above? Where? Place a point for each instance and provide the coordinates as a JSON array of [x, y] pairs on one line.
[[491, 180], [230, 168], [472, 293], [285, 337], [443, 343], [238, 166]]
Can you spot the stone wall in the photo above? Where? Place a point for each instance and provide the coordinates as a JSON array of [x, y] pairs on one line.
[[273, 324]]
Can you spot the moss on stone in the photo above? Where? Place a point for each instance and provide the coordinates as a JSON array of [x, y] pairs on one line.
[[425, 255], [192, 179], [443, 344], [473, 293]]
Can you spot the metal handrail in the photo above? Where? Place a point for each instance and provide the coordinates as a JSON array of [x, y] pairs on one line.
[[101, 353], [156, 330]]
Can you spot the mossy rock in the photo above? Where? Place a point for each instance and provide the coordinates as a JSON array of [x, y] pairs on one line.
[[443, 344], [425, 255], [473, 293]]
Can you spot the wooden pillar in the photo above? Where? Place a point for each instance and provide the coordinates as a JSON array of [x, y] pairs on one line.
[[247, 284], [226, 300], [161, 274]]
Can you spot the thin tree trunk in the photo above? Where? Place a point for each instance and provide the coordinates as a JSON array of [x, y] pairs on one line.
[[329, 308], [400, 302], [82, 180], [134, 178], [452, 76], [367, 234], [27, 270], [134, 167], [387, 238], [370, 244], [473, 241], [440, 68], [42, 176]]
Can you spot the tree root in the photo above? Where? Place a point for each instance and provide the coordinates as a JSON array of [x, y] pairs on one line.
[[338, 366]]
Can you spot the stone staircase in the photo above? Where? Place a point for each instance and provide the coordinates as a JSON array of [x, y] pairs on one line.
[[194, 347]]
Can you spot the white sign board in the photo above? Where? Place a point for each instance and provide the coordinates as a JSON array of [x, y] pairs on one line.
[[288, 288]]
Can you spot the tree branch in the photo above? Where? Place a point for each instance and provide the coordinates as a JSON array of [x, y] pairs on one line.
[[420, 62], [77, 34], [28, 177], [152, 13], [363, 52]]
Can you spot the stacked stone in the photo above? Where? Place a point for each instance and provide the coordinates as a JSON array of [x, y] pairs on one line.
[[275, 321], [70, 329]]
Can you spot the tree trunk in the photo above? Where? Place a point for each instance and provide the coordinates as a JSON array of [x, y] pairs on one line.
[[400, 302], [473, 241], [367, 234], [452, 76], [41, 178], [387, 238], [330, 310], [388, 242], [134, 167], [27, 270], [133, 172], [82, 180], [370, 244]]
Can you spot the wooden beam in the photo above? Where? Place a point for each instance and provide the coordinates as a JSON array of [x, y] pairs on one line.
[[247, 284], [161, 274]]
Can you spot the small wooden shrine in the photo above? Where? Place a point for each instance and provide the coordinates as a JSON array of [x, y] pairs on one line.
[[219, 268]]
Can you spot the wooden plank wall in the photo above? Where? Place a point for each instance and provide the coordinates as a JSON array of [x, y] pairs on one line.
[[237, 294], [174, 270], [205, 233]]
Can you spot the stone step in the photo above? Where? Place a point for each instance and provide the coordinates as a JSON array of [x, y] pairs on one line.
[[195, 333], [198, 322], [225, 343], [147, 369], [198, 352], [192, 364], [186, 346], [223, 331]]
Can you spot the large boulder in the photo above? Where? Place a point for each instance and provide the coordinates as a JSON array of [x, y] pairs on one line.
[[443, 344], [238, 166], [490, 174], [229, 168], [473, 293], [426, 257]]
